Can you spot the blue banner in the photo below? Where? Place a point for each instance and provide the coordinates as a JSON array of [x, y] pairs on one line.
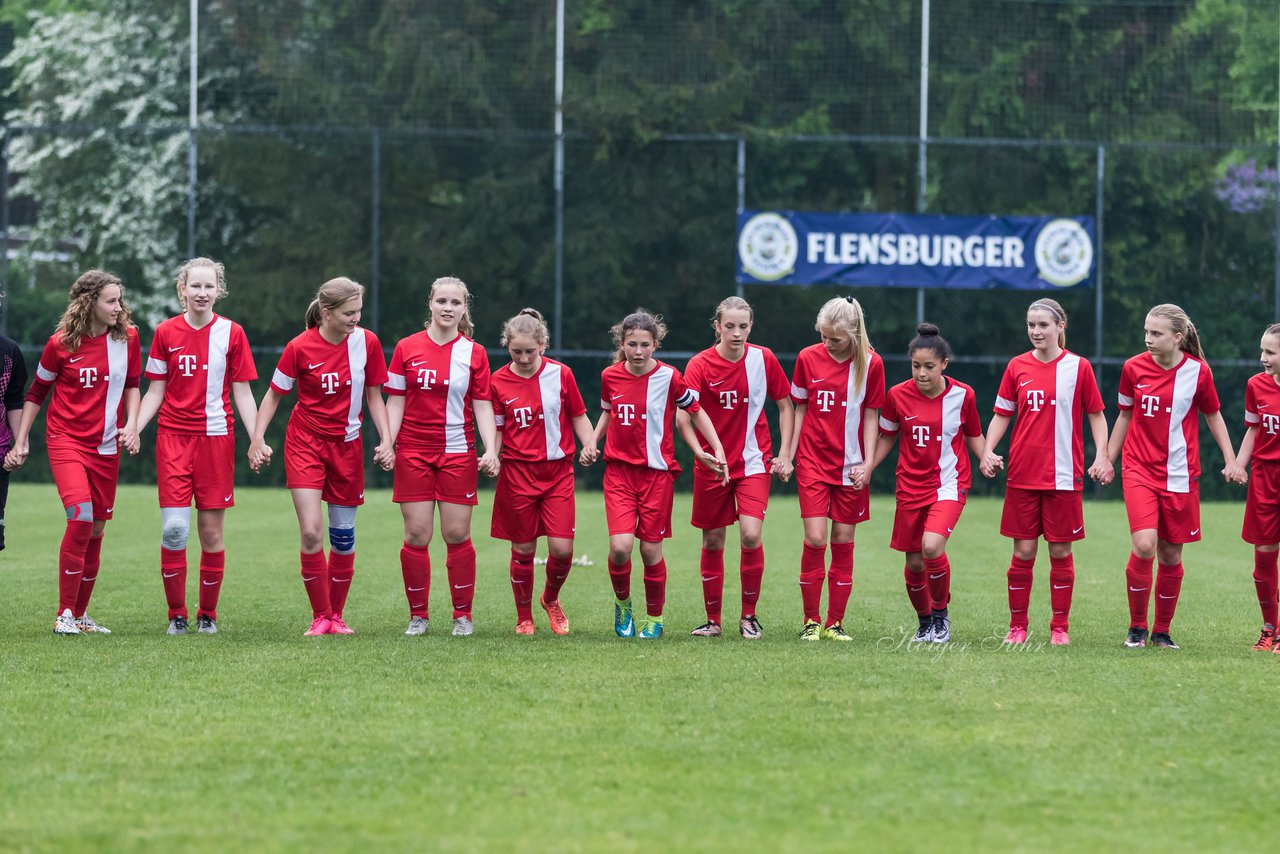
[[915, 250]]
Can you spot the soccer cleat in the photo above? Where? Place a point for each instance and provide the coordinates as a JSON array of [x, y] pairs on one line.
[[555, 614], [1267, 641], [1058, 637], [205, 625], [65, 624], [177, 626], [750, 628], [623, 623], [651, 628], [1137, 637], [1017, 634], [836, 633], [319, 626], [924, 634], [524, 627], [1162, 639], [337, 627], [941, 629], [417, 626], [88, 626], [463, 627], [811, 631], [709, 629]]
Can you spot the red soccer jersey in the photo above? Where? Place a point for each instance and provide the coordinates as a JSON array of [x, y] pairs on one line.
[[1162, 447], [439, 382], [535, 414], [933, 460], [1049, 400], [733, 395], [642, 414], [331, 379], [831, 432], [1262, 410], [198, 367], [88, 388]]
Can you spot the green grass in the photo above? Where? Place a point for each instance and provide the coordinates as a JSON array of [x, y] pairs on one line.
[[259, 738]]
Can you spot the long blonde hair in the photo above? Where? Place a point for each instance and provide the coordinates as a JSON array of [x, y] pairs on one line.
[[1181, 324], [219, 274], [77, 320], [1059, 315], [528, 322], [331, 295], [465, 326], [845, 313], [731, 304], [639, 320]]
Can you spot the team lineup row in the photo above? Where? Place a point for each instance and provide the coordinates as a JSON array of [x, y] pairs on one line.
[[837, 421]]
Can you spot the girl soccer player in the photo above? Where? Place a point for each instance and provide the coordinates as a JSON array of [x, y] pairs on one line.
[[940, 417], [336, 366], [538, 410], [198, 363], [1049, 389], [733, 380], [1161, 393], [638, 396], [1261, 444], [13, 387], [838, 389], [438, 375], [92, 364]]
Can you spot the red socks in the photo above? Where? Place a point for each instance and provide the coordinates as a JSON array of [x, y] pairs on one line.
[[918, 591], [1265, 579], [415, 567], [1137, 574], [341, 569], [620, 578], [1168, 586], [92, 560], [522, 584], [460, 563], [211, 568], [655, 588], [938, 571], [711, 567], [813, 568], [1062, 580], [839, 582], [557, 571], [1020, 574], [751, 569], [315, 577], [71, 563], [173, 575]]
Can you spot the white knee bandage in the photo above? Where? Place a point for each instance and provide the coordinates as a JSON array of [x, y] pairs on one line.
[[177, 527], [342, 529]]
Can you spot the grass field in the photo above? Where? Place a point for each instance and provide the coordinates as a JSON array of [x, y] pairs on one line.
[[261, 739]]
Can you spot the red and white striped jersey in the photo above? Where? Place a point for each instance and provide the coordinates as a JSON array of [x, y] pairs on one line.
[[198, 367], [831, 432], [933, 459], [331, 381], [1049, 400], [1162, 447], [1262, 410], [642, 413], [88, 388], [535, 414], [439, 383], [733, 396]]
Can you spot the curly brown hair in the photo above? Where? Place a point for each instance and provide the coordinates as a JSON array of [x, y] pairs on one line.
[[77, 320]]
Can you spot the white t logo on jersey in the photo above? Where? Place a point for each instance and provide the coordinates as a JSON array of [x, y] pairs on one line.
[[626, 411], [187, 365], [1271, 423], [426, 378], [329, 381], [524, 415], [920, 432], [826, 398], [88, 377], [1035, 399], [728, 399], [1150, 405]]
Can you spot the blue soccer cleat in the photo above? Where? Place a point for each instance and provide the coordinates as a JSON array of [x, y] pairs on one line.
[[623, 623], [651, 628]]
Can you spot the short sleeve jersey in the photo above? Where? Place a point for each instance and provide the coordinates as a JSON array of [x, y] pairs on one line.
[[13, 386], [88, 388], [535, 414], [733, 395], [1162, 447], [439, 382], [642, 413], [331, 380], [933, 462], [198, 367], [1049, 401], [831, 432], [1262, 410]]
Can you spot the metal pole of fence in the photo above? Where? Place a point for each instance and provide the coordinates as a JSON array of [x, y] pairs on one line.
[[191, 130], [1097, 285], [922, 164], [1277, 248], [375, 226], [742, 186], [4, 233], [557, 339]]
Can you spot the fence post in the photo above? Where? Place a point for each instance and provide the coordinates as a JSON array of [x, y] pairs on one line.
[[557, 340], [4, 231], [922, 162], [1098, 257], [742, 188], [192, 121], [375, 229]]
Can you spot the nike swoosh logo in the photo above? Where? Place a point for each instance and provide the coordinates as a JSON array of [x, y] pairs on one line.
[[815, 382], [939, 575], [361, 494], [1026, 382], [69, 572], [471, 495], [862, 512], [749, 592], [1196, 531], [1139, 589], [1017, 588], [910, 417], [309, 578], [716, 383], [416, 589], [112, 509], [663, 531], [226, 498], [415, 364], [75, 359], [1078, 530], [949, 530], [311, 367], [1263, 405], [179, 347], [1162, 596], [1143, 385], [1062, 587], [616, 396], [210, 583], [509, 402], [461, 586], [709, 578], [844, 584], [170, 574]]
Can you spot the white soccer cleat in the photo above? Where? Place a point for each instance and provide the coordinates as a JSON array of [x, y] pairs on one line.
[[88, 626], [417, 626], [65, 624], [463, 627]]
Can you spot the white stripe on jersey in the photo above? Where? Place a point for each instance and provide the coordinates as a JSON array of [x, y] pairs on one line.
[[887, 425], [157, 366], [1184, 392], [1125, 400], [655, 414], [549, 386], [357, 355], [117, 367], [282, 381], [757, 388], [854, 396], [215, 416], [799, 393], [455, 430], [1064, 428], [948, 471], [1004, 404], [44, 374], [395, 381], [1251, 417]]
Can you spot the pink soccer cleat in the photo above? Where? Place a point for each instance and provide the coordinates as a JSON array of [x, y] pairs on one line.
[[559, 622], [1058, 637], [1017, 634], [319, 626], [337, 627], [524, 627]]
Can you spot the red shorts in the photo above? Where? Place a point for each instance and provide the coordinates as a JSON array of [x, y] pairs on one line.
[[1058, 514], [1262, 506], [189, 465], [435, 476], [333, 466], [910, 524], [82, 475], [716, 505], [1175, 516], [842, 504], [637, 500], [533, 499]]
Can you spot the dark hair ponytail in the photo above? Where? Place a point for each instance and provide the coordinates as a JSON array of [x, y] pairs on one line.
[[927, 338]]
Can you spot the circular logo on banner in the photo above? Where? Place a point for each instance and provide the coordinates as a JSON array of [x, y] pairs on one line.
[[768, 247], [1064, 253]]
